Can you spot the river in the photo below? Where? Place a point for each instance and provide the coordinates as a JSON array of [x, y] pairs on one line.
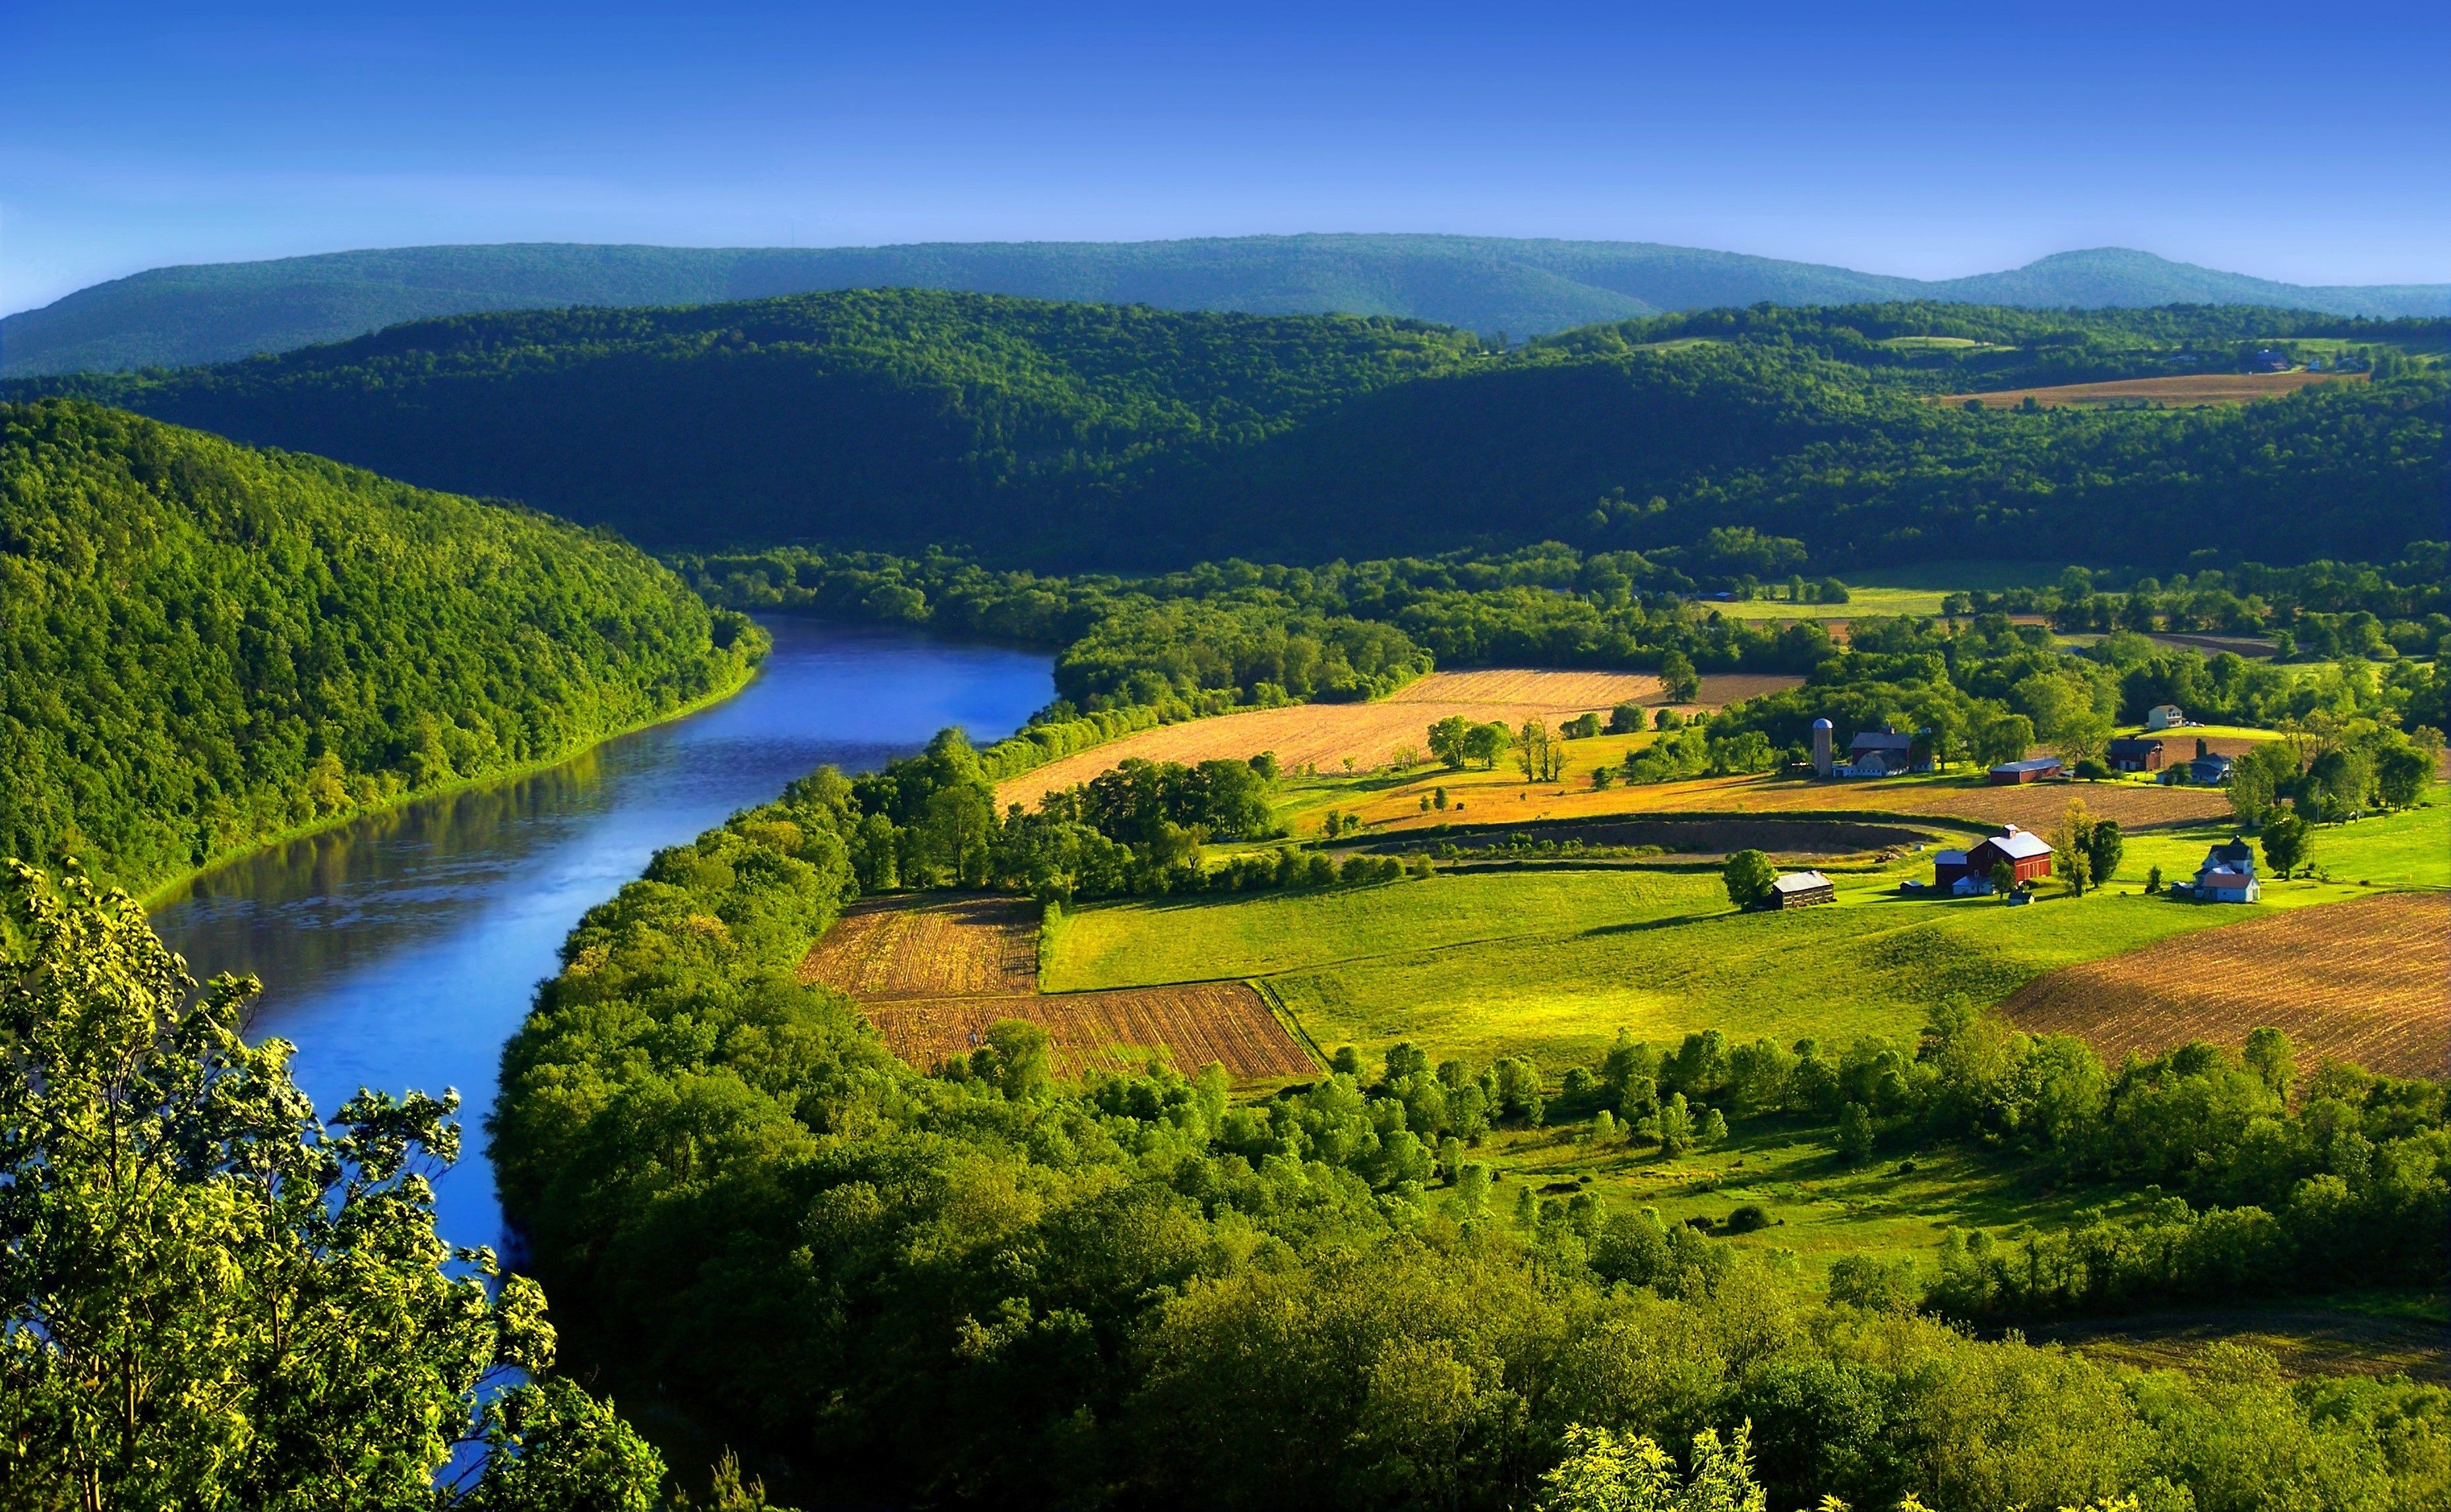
[[400, 951]]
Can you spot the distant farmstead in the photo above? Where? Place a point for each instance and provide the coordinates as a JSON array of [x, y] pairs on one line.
[[1883, 753], [2135, 753], [2034, 769], [1795, 890], [1968, 872], [2166, 717]]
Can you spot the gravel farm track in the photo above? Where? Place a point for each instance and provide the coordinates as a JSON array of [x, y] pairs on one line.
[[2368, 981], [1374, 734], [932, 973]]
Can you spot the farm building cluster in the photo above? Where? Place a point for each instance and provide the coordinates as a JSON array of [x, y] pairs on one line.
[[1883, 753], [2022, 855]]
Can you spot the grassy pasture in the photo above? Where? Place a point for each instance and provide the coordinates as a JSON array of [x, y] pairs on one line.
[[1552, 964]]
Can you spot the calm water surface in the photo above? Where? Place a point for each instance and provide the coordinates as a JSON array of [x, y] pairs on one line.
[[401, 951]]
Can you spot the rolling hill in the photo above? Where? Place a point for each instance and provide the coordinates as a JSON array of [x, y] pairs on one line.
[[203, 645], [216, 312], [1108, 436]]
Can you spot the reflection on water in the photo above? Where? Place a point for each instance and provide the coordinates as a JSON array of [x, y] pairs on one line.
[[400, 951]]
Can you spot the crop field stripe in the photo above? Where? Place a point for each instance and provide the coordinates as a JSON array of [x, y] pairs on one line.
[[2202, 389], [933, 973], [2366, 980]]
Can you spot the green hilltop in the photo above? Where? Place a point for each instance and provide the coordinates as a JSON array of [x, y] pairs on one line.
[[203, 645], [1122, 436], [216, 312]]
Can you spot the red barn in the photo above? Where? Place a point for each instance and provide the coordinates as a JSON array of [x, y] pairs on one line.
[[2027, 854]]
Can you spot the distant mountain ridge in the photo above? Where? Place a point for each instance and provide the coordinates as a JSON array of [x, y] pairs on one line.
[[221, 311]]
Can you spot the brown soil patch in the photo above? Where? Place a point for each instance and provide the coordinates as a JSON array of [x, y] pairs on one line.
[[1189, 1026], [2367, 981], [2183, 391], [2033, 806], [1374, 735], [933, 973]]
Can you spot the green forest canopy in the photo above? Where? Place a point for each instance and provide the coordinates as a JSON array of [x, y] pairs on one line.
[[203, 644], [1075, 434]]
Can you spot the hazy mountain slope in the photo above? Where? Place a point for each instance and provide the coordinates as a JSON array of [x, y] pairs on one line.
[[202, 644], [215, 313], [1082, 436]]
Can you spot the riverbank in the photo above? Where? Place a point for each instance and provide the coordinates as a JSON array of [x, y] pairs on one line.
[[160, 892]]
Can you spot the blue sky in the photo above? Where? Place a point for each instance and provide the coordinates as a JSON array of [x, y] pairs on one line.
[[2310, 144]]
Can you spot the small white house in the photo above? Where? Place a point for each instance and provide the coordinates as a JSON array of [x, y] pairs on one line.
[[2166, 717], [2227, 875]]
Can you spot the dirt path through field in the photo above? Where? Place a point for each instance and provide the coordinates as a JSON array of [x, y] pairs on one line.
[[2368, 980], [933, 971]]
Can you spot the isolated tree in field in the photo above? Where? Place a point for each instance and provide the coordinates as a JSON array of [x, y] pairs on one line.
[[2103, 845], [218, 1301], [1626, 719], [1665, 717], [2285, 837], [1439, 798], [1855, 1134], [1678, 676], [1485, 743], [1536, 751], [1450, 741], [1748, 876], [2073, 843]]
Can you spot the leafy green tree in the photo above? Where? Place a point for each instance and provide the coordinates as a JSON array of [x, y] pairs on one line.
[[1604, 1471], [1449, 741], [2287, 840], [2273, 1060], [1854, 1139], [1626, 719], [2002, 878], [1485, 743], [1748, 876], [2259, 779], [2001, 736], [2103, 844], [217, 1301], [1677, 675], [2400, 773]]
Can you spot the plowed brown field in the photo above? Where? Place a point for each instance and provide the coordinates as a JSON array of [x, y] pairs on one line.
[[933, 973], [2367, 981], [1374, 734], [2036, 806], [2183, 391]]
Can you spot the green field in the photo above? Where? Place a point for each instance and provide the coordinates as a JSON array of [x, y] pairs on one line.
[[2408, 849], [1911, 590], [1552, 964]]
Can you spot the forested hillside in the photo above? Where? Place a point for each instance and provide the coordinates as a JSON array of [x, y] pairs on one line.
[[1071, 436], [215, 313], [203, 644]]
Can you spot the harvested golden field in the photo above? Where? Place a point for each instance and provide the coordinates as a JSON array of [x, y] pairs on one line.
[[932, 973], [2367, 980], [2182, 392], [1373, 735], [1554, 692]]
